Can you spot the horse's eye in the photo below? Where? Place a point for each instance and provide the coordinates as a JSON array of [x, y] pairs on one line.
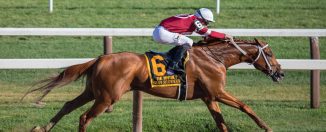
[[269, 53]]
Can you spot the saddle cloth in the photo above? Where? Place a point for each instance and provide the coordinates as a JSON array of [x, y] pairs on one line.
[[157, 65]]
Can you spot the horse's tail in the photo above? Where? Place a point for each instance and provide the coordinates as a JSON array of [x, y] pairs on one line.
[[67, 76]]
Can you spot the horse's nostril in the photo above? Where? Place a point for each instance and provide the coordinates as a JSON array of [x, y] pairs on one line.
[[282, 74]]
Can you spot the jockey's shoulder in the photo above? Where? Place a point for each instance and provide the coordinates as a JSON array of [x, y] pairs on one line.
[[185, 16]]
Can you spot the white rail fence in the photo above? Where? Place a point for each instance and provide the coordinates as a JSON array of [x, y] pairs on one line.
[[290, 64], [60, 63], [148, 32]]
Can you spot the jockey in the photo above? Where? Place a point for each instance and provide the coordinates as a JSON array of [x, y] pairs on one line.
[[172, 30]]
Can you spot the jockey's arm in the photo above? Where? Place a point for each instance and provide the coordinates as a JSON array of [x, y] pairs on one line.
[[203, 30]]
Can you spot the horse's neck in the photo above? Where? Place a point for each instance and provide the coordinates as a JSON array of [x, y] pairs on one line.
[[229, 55]]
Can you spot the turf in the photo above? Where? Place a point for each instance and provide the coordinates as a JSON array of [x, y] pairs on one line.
[[169, 115]]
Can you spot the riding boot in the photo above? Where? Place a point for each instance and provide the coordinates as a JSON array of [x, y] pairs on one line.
[[176, 58]]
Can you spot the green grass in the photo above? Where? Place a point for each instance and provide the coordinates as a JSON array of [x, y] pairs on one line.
[[284, 106], [170, 115], [146, 13]]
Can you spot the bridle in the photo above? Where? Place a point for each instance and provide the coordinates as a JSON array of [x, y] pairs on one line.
[[267, 69], [260, 53]]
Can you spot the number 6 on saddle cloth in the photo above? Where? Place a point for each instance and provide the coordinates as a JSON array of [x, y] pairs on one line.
[[157, 65]]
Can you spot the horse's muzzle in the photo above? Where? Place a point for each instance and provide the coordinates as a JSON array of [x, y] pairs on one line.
[[277, 76]]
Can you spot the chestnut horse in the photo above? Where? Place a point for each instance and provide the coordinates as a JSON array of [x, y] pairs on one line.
[[108, 77]]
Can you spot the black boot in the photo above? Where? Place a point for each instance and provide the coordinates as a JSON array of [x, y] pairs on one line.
[[176, 58]]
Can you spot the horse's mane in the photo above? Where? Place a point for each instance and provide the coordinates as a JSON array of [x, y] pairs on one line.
[[217, 42]]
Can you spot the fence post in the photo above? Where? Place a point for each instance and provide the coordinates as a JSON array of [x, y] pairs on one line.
[[137, 121], [217, 7], [50, 6], [314, 74], [107, 45]]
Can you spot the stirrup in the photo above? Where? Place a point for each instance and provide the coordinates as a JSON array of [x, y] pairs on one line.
[[175, 70], [170, 72]]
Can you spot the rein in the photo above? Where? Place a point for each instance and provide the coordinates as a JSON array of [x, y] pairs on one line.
[[238, 47], [260, 53]]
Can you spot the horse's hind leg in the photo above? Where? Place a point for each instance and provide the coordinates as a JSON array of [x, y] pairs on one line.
[[98, 107], [215, 111], [69, 106], [228, 99]]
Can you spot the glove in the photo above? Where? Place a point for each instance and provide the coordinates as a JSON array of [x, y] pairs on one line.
[[227, 36]]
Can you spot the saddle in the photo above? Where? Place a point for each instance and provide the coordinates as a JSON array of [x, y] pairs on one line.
[[157, 65]]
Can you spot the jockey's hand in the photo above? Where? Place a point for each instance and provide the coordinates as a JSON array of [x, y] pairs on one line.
[[228, 37], [205, 38]]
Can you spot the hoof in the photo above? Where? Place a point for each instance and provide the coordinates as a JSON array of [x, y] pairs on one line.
[[109, 109], [39, 104], [38, 129], [268, 130]]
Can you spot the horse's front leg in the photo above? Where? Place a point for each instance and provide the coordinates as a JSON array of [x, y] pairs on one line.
[[230, 100], [215, 84], [215, 111], [109, 109]]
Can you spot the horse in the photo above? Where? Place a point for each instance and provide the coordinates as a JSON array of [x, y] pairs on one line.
[[108, 77]]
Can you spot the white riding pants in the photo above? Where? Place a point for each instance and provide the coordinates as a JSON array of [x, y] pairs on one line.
[[164, 36]]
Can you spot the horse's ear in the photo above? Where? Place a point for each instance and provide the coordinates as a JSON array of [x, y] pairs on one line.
[[259, 42]]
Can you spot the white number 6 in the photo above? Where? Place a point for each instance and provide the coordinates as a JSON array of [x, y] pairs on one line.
[[199, 25]]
